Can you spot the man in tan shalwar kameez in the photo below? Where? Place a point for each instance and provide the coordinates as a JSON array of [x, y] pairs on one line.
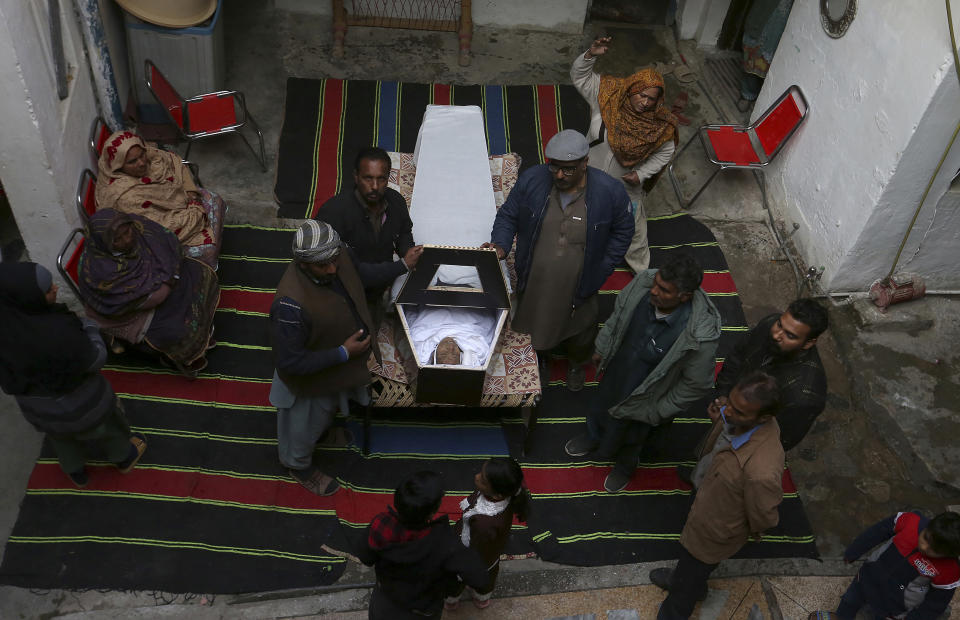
[[573, 226]]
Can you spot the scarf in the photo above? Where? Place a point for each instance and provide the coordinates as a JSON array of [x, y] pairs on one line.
[[43, 349], [115, 284], [633, 136], [160, 195], [482, 506]]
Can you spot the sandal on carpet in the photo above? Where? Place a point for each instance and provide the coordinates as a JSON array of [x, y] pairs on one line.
[[193, 369], [821, 615], [138, 445], [684, 74], [663, 68], [315, 481], [79, 478]]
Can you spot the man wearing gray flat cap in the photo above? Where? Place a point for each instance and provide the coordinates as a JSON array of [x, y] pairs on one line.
[[320, 326], [573, 226]]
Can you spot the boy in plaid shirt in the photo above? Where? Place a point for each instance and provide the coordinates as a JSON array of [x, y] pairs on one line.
[[417, 557]]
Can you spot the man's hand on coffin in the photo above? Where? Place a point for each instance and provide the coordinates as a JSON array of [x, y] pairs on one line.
[[597, 359], [357, 344], [631, 178], [412, 256], [500, 251]]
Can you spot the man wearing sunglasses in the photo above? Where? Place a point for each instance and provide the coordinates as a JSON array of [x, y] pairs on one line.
[[573, 226]]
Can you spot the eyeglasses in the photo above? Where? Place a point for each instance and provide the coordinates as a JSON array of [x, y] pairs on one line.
[[568, 171]]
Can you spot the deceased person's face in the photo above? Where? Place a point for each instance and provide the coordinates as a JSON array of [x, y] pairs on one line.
[[448, 352]]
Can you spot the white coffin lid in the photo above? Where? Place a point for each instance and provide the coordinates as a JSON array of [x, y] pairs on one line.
[[452, 201]]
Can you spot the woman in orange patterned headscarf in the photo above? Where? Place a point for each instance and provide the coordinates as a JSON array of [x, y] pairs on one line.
[[633, 136], [636, 122]]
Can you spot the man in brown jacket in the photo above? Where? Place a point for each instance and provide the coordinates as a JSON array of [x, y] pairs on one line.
[[738, 488], [321, 342]]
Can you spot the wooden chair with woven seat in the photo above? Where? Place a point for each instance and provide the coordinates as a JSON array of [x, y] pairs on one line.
[[753, 146], [206, 115]]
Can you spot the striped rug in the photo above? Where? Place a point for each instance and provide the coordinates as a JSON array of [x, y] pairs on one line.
[[576, 521], [327, 121], [210, 509]]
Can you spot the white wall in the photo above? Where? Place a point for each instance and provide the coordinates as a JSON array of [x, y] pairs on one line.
[[701, 20], [884, 102], [552, 15], [43, 148]]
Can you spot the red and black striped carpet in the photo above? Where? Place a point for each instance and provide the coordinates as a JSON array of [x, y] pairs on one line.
[[210, 509], [327, 121]]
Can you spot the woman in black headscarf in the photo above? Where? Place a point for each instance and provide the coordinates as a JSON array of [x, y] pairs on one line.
[[49, 361]]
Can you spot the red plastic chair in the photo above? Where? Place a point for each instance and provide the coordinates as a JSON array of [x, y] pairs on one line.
[[204, 116], [86, 195], [751, 146], [99, 132], [70, 269]]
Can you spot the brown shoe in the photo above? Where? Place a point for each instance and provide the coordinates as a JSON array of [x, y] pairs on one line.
[[576, 376], [336, 437], [138, 445], [315, 481]]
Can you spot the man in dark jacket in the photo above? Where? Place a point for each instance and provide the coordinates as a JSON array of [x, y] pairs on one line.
[[321, 342], [417, 558], [573, 226], [784, 345], [372, 218]]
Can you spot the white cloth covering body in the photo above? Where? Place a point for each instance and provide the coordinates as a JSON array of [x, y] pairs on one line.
[[473, 329]]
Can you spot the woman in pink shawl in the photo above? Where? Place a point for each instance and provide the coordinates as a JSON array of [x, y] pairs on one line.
[[142, 180]]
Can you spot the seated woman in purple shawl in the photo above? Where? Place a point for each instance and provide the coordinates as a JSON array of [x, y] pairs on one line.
[[137, 284]]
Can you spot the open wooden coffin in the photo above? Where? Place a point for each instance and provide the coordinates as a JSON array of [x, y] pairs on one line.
[[463, 293]]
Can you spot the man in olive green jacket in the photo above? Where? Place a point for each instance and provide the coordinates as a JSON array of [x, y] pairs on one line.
[[658, 350]]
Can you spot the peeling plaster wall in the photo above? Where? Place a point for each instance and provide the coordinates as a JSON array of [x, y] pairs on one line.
[[552, 15], [112, 16], [44, 139], [884, 103]]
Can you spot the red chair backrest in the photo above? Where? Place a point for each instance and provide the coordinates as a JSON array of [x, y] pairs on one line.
[[101, 133], [777, 125], [212, 113], [165, 93], [88, 192]]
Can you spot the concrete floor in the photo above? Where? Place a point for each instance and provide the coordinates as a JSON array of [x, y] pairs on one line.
[[883, 443]]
